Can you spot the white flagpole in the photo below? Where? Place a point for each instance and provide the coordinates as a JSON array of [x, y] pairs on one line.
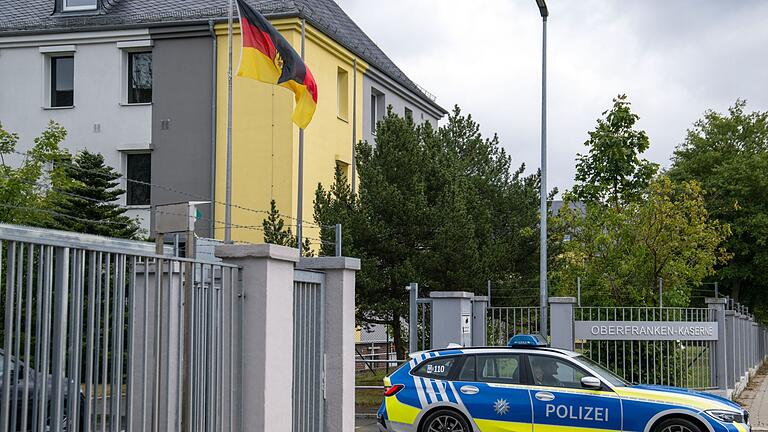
[[300, 204], [354, 126], [228, 206]]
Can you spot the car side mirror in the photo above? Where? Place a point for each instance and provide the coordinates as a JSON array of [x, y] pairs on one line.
[[591, 383]]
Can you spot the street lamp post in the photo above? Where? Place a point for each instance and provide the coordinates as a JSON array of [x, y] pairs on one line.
[[543, 294]]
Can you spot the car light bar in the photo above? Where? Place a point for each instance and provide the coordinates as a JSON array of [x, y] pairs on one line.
[[528, 340]]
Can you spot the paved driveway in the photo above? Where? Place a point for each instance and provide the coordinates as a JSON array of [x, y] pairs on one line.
[[755, 398], [365, 424]]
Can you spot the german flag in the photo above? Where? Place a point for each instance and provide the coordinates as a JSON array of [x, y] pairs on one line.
[[266, 56]]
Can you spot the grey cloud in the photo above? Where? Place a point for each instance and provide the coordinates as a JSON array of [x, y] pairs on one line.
[[674, 59]]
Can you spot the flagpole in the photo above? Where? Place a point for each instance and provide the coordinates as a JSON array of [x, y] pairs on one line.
[[300, 204], [354, 125], [228, 206]]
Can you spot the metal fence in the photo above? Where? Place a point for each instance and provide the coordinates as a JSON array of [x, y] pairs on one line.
[[505, 322], [424, 332], [98, 335], [308, 351], [746, 344], [678, 363]]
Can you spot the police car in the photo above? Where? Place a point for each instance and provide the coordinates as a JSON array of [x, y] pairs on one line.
[[529, 387]]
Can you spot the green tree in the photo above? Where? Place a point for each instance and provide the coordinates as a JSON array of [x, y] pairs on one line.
[[24, 177], [336, 206], [439, 207], [621, 255], [612, 172], [276, 233], [728, 154], [85, 199]]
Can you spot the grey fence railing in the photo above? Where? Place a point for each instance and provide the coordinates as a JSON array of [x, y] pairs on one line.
[[419, 321], [104, 335], [673, 362], [505, 322], [717, 347], [308, 351], [745, 344]]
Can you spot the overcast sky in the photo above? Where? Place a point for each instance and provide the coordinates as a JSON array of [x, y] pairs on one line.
[[673, 58]]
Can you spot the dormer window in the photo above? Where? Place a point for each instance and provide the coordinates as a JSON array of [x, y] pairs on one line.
[[79, 5]]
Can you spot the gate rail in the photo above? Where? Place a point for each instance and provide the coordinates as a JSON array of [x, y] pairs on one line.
[[98, 334], [308, 351], [505, 322]]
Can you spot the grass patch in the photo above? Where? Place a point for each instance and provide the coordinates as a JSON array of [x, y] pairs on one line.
[[369, 400]]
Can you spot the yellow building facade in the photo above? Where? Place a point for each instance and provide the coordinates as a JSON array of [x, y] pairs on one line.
[[265, 142]]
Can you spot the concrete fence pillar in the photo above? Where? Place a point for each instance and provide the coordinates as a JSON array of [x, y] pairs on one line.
[[561, 319], [451, 318], [339, 339], [741, 348], [753, 343], [267, 333], [721, 358], [480, 321], [744, 349], [730, 346]]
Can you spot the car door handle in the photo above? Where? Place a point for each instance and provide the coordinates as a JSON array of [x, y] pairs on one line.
[[469, 390], [545, 396]]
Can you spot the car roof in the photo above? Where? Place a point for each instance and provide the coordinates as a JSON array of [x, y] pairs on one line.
[[502, 349]]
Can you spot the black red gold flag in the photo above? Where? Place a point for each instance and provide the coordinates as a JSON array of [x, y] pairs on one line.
[[268, 57]]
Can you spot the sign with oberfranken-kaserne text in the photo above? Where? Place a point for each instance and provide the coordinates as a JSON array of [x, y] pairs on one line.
[[646, 330]]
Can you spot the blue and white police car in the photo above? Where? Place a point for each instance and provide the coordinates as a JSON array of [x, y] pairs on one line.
[[529, 387]]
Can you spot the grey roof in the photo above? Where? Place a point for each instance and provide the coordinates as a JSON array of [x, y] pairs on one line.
[[34, 16]]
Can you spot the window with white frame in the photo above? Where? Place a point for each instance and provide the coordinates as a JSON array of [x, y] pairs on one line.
[[378, 108], [79, 5], [62, 81], [374, 117], [139, 77], [342, 93], [139, 174]]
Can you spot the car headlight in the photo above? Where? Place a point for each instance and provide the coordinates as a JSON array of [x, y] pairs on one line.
[[727, 416]]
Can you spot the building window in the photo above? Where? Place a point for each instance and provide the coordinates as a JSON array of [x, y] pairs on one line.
[[139, 77], [79, 5], [374, 103], [343, 167], [139, 174], [378, 108], [62, 81], [342, 93], [409, 114]]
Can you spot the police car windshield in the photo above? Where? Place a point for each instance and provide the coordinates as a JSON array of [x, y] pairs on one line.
[[609, 376]]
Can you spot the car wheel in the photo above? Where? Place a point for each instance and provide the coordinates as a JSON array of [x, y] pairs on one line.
[[445, 421], [677, 425]]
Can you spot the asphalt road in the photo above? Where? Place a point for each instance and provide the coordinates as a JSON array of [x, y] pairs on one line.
[[365, 424]]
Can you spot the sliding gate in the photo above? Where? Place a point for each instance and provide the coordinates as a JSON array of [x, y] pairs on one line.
[[308, 351], [94, 332]]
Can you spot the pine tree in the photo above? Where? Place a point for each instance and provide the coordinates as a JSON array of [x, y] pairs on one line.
[[276, 233], [84, 199], [274, 228]]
